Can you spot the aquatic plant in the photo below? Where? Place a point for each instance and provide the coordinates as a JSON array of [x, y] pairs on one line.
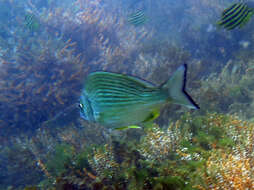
[[42, 72], [196, 152], [116, 41], [31, 92], [103, 162], [230, 171], [233, 169], [159, 145], [46, 69], [234, 82], [49, 153], [186, 148], [159, 57], [23, 167]]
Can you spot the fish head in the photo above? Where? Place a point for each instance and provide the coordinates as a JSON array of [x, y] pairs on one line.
[[86, 111]]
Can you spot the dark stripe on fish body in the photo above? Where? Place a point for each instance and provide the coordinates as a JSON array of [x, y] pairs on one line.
[[122, 90], [113, 92], [247, 18], [236, 21], [125, 94], [145, 97], [113, 103], [226, 11], [139, 21], [114, 100], [121, 82], [137, 16], [135, 83], [113, 84], [238, 17], [126, 97], [29, 19], [112, 76], [29, 24], [116, 90], [117, 95], [118, 98], [234, 16], [231, 9], [111, 80]]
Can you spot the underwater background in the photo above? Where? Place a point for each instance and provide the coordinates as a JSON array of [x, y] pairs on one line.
[[48, 47]]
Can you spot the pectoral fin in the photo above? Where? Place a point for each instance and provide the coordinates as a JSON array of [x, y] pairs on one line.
[[153, 115]]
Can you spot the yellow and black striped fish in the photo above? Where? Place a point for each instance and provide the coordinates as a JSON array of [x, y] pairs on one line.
[[121, 101], [237, 15], [137, 18]]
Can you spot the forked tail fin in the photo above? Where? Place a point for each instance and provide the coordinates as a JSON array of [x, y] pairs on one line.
[[176, 89]]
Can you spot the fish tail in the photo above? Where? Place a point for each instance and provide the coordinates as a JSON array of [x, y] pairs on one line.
[[176, 88], [248, 17]]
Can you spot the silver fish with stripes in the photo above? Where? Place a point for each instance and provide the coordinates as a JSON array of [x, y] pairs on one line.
[[237, 15], [121, 101], [137, 18], [31, 22]]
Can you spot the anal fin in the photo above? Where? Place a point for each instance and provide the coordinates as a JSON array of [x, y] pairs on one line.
[[128, 127]]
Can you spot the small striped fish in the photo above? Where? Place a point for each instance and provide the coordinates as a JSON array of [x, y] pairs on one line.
[[31, 22], [137, 18], [237, 15], [118, 101]]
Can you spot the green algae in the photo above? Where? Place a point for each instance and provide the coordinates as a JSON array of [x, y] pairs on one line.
[[173, 158], [61, 157]]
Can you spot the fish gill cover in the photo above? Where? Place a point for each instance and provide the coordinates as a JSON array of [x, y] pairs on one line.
[[48, 48]]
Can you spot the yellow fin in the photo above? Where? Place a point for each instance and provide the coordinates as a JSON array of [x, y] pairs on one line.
[[128, 127], [153, 115]]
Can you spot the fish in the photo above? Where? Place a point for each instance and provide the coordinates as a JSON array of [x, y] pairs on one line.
[[117, 101], [137, 18], [237, 15], [31, 22]]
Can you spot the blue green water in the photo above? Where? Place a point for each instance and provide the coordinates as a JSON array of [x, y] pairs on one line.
[[48, 48]]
